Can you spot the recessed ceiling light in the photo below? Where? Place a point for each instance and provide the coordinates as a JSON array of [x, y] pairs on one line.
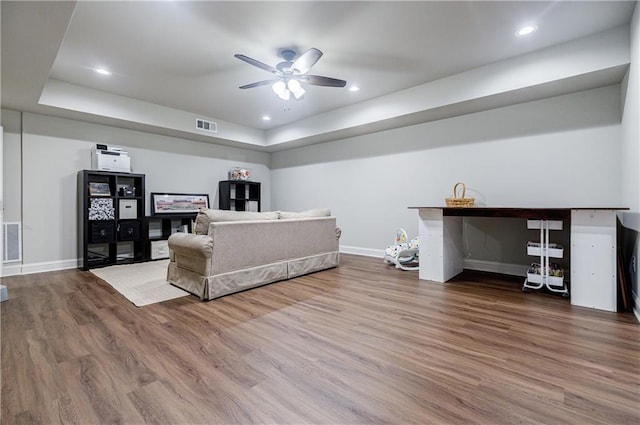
[[526, 30], [266, 118], [354, 88], [102, 71]]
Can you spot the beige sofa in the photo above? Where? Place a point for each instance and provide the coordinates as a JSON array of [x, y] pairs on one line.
[[231, 251]]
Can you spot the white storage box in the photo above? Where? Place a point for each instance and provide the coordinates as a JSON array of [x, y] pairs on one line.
[[555, 250], [555, 276], [553, 224], [128, 208], [551, 280], [159, 249]]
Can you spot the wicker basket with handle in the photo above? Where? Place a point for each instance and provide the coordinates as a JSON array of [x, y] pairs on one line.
[[461, 201]]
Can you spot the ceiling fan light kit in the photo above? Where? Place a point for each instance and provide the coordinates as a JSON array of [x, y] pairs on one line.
[[290, 75]]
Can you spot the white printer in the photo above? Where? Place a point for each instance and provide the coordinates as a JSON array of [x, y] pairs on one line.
[[110, 158]]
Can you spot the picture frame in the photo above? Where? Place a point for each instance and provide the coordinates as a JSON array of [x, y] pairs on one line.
[[99, 189], [178, 203]]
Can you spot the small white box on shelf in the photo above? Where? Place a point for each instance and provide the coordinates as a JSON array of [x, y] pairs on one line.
[[128, 208], [159, 249]]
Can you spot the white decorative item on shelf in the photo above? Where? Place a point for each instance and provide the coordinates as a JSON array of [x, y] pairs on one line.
[[239, 173]]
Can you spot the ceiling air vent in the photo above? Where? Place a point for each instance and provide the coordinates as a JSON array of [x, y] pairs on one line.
[[206, 125]]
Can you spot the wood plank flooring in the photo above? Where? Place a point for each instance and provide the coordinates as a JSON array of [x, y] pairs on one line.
[[361, 344]]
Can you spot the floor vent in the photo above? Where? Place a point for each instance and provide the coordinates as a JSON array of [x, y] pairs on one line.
[[12, 236], [206, 125]]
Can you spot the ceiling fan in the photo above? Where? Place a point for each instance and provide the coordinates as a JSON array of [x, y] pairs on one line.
[[290, 74]]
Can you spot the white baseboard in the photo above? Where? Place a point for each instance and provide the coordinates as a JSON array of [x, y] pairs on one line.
[[367, 252], [11, 269], [495, 267], [48, 266], [636, 307], [480, 265]]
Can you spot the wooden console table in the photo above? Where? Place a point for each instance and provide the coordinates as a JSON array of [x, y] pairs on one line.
[[593, 246]]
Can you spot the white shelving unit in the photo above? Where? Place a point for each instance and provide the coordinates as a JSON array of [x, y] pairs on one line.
[[542, 274]]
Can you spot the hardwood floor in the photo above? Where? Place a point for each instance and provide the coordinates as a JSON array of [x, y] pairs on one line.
[[360, 344]]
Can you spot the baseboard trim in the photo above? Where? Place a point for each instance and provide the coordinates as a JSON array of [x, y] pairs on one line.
[[47, 266], [367, 252], [495, 267], [470, 264], [11, 270], [636, 307]]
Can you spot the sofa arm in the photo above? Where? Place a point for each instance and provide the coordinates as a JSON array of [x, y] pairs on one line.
[[187, 244]]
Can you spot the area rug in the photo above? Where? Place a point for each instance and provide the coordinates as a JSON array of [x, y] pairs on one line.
[[141, 283]]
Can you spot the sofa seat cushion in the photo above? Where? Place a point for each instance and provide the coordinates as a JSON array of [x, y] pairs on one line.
[[205, 217]]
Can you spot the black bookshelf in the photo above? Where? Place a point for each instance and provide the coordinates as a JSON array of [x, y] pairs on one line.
[[239, 195], [110, 218]]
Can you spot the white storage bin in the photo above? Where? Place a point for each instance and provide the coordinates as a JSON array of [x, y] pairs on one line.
[[553, 224], [159, 249], [551, 280], [128, 208], [534, 275], [554, 250]]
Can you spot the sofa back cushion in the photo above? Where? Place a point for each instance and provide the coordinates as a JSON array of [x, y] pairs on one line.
[[205, 217], [317, 212]]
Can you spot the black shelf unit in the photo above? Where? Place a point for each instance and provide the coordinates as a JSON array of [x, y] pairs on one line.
[[110, 218], [239, 195], [159, 227]]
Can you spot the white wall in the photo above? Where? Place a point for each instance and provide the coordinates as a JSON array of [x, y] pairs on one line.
[[630, 158], [12, 165], [561, 151], [55, 149], [631, 122], [368, 181]]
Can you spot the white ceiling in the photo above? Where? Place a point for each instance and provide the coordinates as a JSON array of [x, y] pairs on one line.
[[179, 54]]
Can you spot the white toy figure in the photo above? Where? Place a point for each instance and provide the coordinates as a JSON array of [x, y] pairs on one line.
[[404, 255]]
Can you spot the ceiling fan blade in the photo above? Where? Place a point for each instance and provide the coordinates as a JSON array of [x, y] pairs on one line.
[[258, 64], [309, 58], [316, 80], [258, 84]]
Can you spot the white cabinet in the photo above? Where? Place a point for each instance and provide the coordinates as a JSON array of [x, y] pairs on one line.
[[593, 259]]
